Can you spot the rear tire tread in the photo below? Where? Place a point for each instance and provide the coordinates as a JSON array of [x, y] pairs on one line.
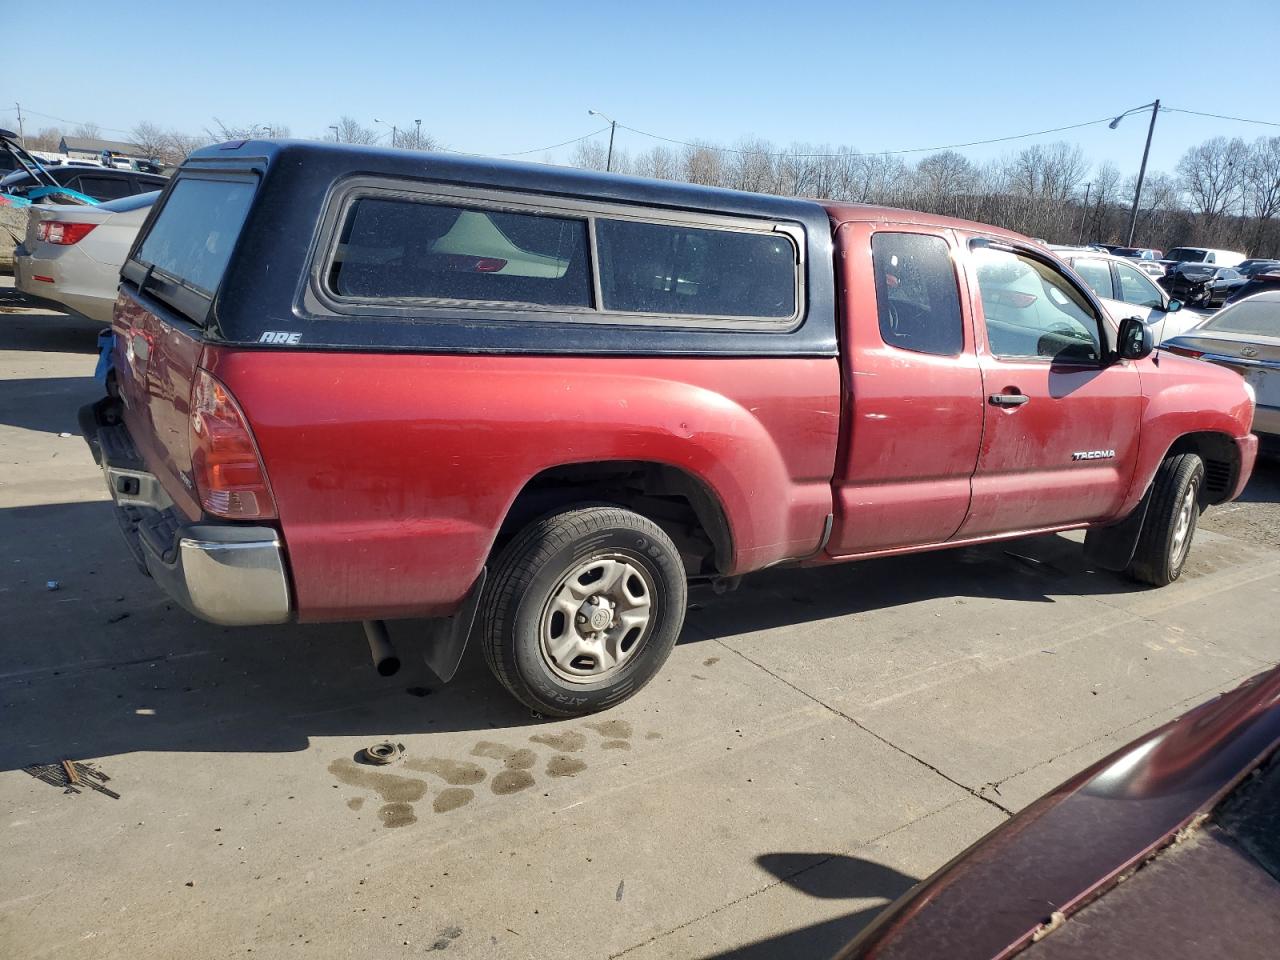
[[524, 557]]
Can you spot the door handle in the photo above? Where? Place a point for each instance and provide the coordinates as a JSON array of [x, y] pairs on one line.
[[1008, 399]]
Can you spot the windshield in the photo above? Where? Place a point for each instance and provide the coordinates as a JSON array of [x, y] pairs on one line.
[[1188, 254]]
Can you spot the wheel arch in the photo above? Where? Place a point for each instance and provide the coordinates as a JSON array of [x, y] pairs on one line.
[[683, 504], [1221, 457]]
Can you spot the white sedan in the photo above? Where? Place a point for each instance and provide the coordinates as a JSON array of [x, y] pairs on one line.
[[72, 254], [1128, 292]]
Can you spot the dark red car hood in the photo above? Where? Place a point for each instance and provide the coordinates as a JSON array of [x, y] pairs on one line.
[[1072, 845]]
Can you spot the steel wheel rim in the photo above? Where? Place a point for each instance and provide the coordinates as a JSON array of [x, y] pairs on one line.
[[596, 618], [1182, 525]]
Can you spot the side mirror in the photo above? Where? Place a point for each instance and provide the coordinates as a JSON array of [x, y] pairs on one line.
[[1173, 307], [1135, 341]]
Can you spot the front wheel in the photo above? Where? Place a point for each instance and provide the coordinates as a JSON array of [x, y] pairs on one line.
[[583, 609], [1170, 524]]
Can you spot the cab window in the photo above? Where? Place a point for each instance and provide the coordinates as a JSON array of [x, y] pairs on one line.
[[1031, 310], [1135, 288], [916, 293]]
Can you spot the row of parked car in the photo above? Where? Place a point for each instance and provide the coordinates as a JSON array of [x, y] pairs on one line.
[[1203, 276]]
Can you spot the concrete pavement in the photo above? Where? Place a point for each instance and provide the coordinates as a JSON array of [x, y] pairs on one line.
[[817, 742]]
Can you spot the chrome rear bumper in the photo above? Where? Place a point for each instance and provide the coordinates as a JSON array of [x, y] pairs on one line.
[[225, 573]]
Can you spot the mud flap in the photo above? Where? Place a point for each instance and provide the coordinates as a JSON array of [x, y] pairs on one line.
[[1112, 548], [447, 637]]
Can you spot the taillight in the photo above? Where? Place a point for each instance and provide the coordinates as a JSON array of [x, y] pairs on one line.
[[64, 234], [1184, 352], [224, 458]]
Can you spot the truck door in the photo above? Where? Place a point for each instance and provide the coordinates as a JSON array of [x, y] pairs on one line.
[[1061, 422], [913, 404]]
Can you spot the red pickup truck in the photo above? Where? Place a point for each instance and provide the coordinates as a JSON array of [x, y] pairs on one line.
[[531, 403]]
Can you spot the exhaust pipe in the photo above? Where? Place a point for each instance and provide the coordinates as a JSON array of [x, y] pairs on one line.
[[385, 660]]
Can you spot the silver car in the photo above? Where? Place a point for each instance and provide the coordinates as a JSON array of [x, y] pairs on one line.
[[1128, 292], [1245, 337], [72, 254]]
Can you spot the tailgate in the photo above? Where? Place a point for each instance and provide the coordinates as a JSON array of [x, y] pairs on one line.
[[156, 356], [169, 285]]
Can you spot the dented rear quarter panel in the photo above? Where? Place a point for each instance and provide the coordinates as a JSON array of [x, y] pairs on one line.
[[393, 472]]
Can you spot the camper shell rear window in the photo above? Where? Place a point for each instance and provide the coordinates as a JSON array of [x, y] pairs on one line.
[[182, 256]]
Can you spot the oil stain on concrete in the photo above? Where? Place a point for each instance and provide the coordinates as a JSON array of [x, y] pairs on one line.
[[612, 729], [511, 781], [562, 766], [389, 786], [397, 814], [513, 758], [451, 798], [399, 793], [457, 773], [570, 741]]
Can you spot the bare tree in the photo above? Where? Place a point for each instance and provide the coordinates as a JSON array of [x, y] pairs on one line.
[[659, 163], [704, 164], [1212, 175], [589, 155], [90, 131], [149, 139], [349, 130], [1101, 222], [47, 139], [1039, 190], [750, 166], [1262, 188], [222, 131]]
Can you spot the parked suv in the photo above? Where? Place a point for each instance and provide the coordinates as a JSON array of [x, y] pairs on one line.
[[359, 384]]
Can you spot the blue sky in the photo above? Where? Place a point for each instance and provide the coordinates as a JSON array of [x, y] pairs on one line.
[[494, 77]]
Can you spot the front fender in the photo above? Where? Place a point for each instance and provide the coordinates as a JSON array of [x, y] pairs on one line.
[[1183, 397]]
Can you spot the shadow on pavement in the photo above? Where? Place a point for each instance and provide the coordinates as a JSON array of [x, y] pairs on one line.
[[103, 664], [47, 404], [836, 877], [1264, 485], [45, 332]]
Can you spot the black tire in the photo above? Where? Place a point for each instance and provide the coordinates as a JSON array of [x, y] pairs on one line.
[[534, 568], [1160, 555]]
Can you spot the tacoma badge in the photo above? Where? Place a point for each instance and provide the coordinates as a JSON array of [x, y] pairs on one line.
[[1094, 455]]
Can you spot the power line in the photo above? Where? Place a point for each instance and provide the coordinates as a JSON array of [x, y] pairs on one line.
[[1219, 116], [873, 153], [553, 146], [75, 123]]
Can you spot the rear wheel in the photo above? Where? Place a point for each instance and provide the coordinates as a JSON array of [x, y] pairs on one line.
[[1170, 524], [583, 609]]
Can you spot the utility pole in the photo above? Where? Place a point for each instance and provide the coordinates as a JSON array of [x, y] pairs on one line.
[[22, 140], [1142, 170], [417, 134], [613, 128], [1085, 215], [336, 138]]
